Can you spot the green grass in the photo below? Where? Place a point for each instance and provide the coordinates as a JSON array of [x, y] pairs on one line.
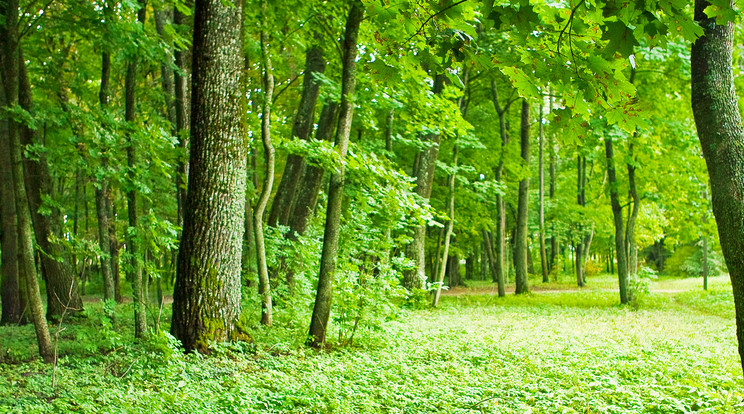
[[548, 352]]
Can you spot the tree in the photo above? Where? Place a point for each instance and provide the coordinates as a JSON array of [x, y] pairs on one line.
[[520, 247], [206, 297], [324, 296], [721, 134]]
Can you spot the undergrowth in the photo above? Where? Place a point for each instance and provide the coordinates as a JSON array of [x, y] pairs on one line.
[[550, 352]]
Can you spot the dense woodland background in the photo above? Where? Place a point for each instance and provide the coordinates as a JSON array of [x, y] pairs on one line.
[[214, 169]]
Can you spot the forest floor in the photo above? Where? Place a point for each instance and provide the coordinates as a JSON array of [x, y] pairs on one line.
[[558, 350]]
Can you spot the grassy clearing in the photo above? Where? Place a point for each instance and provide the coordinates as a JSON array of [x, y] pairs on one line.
[[550, 352]]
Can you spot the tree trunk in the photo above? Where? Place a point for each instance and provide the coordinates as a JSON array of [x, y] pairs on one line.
[[133, 248], [541, 211], [206, 297], [617, 214], [301, 129], [424, 173], [389, 131], [324, 296], [448, 235], [500, 238], [27, 268], [630, 240], [181, 90], [581, 201], [264, 288], [10, 293], [102, 193], [719, 127], [520, 246], [61, 288]]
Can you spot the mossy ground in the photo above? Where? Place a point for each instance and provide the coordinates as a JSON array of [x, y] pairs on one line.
[[549, 352]]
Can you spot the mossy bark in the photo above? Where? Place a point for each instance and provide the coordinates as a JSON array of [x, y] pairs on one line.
[[206, 297], [719, 127]]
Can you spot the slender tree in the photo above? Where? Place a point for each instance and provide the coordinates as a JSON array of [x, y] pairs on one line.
[[206, 297], [133, 248], [324, 296], [617, 214], [450, 225], [520, 246], [541, 207], [264, 289]]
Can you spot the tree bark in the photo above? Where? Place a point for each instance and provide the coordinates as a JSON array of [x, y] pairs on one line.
[[719, 127], [181, 91], [541, 211], [133, 248], [500, 270], [520, 246], [264, 288], [581, 201], [102, 193], [324, 296], [630, 240], [617, 214], [206, 297], [10, 293]]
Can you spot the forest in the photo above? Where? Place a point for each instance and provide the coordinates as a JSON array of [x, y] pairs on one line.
[[371, 206]]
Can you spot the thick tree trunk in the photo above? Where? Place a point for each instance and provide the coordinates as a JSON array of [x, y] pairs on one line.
[[133, 248], [617, 214], [264, 288], [302, 129], [10, 293], [324, 295], [520, 246], [719, 126], [206, 297], [448, 235], [424, 172]]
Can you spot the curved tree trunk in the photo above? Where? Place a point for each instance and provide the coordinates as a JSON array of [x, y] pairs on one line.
[[324, 296], [206, 297], [264, 288], [719, 126], [520, 246]]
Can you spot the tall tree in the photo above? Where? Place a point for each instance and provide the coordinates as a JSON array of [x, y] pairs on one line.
[[102, 193], [206, 297], [450, 225], [324, 295], [719, 127], [264, 288], [520, 245], [133, 248], [541, 201], [10, 290], [27, 268], [617, 214]]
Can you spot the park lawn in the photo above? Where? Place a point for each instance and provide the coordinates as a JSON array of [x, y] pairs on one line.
[[548, 352]]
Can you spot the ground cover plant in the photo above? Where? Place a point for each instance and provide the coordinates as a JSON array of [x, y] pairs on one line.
[[557, 351]]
